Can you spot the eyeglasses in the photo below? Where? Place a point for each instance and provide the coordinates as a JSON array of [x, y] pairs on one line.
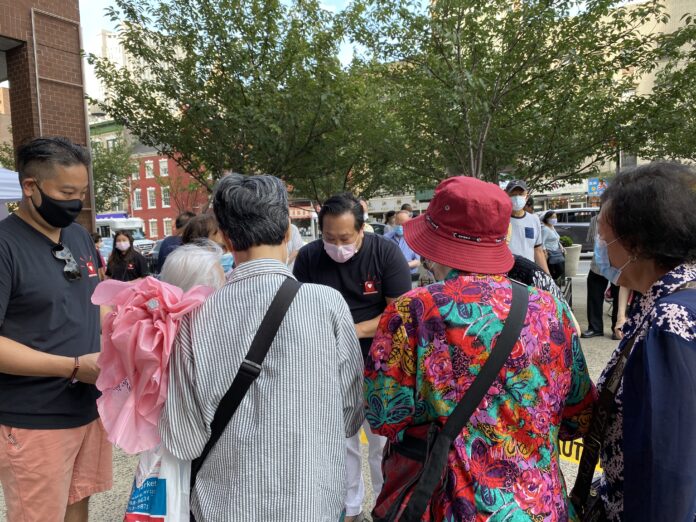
[[71, 270]]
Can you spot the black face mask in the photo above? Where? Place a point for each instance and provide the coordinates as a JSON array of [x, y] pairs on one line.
[[56, 212]]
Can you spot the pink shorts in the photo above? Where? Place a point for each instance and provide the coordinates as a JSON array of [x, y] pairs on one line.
[[44, 471]]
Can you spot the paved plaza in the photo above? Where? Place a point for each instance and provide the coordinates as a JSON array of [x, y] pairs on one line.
[[109, 506]]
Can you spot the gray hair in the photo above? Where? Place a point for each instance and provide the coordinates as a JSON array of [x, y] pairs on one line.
[[252, 210], [194, 264]]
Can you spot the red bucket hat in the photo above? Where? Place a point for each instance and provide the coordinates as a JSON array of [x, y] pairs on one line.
[[465, 227]]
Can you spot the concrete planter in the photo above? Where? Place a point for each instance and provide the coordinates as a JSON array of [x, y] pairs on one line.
[[572, 258]]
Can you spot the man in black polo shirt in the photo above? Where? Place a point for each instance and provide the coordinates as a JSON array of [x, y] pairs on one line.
[[370, 272], [55, 452]]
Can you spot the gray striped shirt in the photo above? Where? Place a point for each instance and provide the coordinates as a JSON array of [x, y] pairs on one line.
[[282, 457]]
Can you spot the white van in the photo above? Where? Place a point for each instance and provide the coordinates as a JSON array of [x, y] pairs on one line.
[[109, 224]]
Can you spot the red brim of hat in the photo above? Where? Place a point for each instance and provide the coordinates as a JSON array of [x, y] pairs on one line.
[[461, 254]]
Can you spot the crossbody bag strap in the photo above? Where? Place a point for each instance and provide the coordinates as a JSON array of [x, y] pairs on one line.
[[437, 460], [602, 413], [249, 369]]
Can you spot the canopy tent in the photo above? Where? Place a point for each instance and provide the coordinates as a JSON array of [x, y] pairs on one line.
[[9, 186], [10, 189]]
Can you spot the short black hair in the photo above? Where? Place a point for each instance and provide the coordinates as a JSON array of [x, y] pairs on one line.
[[252, 210], [548, 215], [389, 215], [183, 218], [407, 206], [341, 204], [651, 211], [95, 237], [199, 227], [35, 155]]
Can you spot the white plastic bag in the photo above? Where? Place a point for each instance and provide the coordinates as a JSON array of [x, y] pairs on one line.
[[160, 491]]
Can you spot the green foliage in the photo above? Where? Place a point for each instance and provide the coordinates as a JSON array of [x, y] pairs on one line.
[[253, 86], [534, 87], [565, 241], [111, 168], [7, 156]]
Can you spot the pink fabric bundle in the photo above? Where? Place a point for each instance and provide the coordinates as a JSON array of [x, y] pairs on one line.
[[137, 341]]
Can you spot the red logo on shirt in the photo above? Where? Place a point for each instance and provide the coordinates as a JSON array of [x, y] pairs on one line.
[[131, 266], [91, 270], [369, 288]]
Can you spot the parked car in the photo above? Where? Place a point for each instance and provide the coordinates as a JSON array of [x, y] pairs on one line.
[[377, 227], [575, 222], [152, 257]]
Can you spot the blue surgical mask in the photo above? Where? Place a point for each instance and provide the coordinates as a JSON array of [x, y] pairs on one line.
[[399, 230], [227, 262], [518, 202], [601, 257]]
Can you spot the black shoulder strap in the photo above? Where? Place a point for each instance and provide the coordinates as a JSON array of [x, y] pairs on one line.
[[437, 460], [249, 369]]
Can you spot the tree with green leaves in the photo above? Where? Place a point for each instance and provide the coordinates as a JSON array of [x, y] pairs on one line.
[[252, 86], [534, 87], [111, 168], [7, 156]]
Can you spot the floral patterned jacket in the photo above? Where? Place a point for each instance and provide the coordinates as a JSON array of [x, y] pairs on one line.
[[649, 452], [429, 347]]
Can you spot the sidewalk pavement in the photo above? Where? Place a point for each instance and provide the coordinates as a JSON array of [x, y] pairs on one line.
[[110, 506]]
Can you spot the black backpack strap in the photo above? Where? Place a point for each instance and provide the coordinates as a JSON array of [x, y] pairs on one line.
[[249, 369], [437, 460]]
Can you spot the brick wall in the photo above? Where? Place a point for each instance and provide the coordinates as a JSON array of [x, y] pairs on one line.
[[180, 199], [57, 107]]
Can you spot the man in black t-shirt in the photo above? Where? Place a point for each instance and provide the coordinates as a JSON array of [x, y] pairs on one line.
[[370, 272], [57, 454]]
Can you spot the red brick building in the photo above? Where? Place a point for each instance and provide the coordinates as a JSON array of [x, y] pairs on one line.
[[40, 57], [160, 190]]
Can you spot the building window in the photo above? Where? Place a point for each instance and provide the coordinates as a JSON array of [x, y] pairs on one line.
[[154, 232], [167, 226], [149, 169], [135, 175], [164, 167], [151, 198], [110, 144], [166, 200], [137, 200]]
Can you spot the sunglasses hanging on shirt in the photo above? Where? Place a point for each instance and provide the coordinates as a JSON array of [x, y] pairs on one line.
[[71, 270]]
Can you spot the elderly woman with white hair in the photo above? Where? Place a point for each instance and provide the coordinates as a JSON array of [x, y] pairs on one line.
[[194, 264]]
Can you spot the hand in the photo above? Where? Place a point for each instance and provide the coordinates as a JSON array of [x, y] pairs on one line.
[[89, 369]]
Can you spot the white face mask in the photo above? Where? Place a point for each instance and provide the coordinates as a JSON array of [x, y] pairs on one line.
[[518, 202], [122, 245]]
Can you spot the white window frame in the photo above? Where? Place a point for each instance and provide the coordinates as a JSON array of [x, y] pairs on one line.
[[137, 199], [149, 169], [150, 223], [164, 172], [151, 197], [166, 204], [167, 226], [135, 175]]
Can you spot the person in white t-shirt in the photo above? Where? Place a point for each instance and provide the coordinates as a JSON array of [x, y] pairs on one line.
[[294, 245], [525, 228]]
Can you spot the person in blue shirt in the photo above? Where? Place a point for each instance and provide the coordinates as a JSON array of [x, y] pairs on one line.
[[647, 243], [170, 243], [397, 235]]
